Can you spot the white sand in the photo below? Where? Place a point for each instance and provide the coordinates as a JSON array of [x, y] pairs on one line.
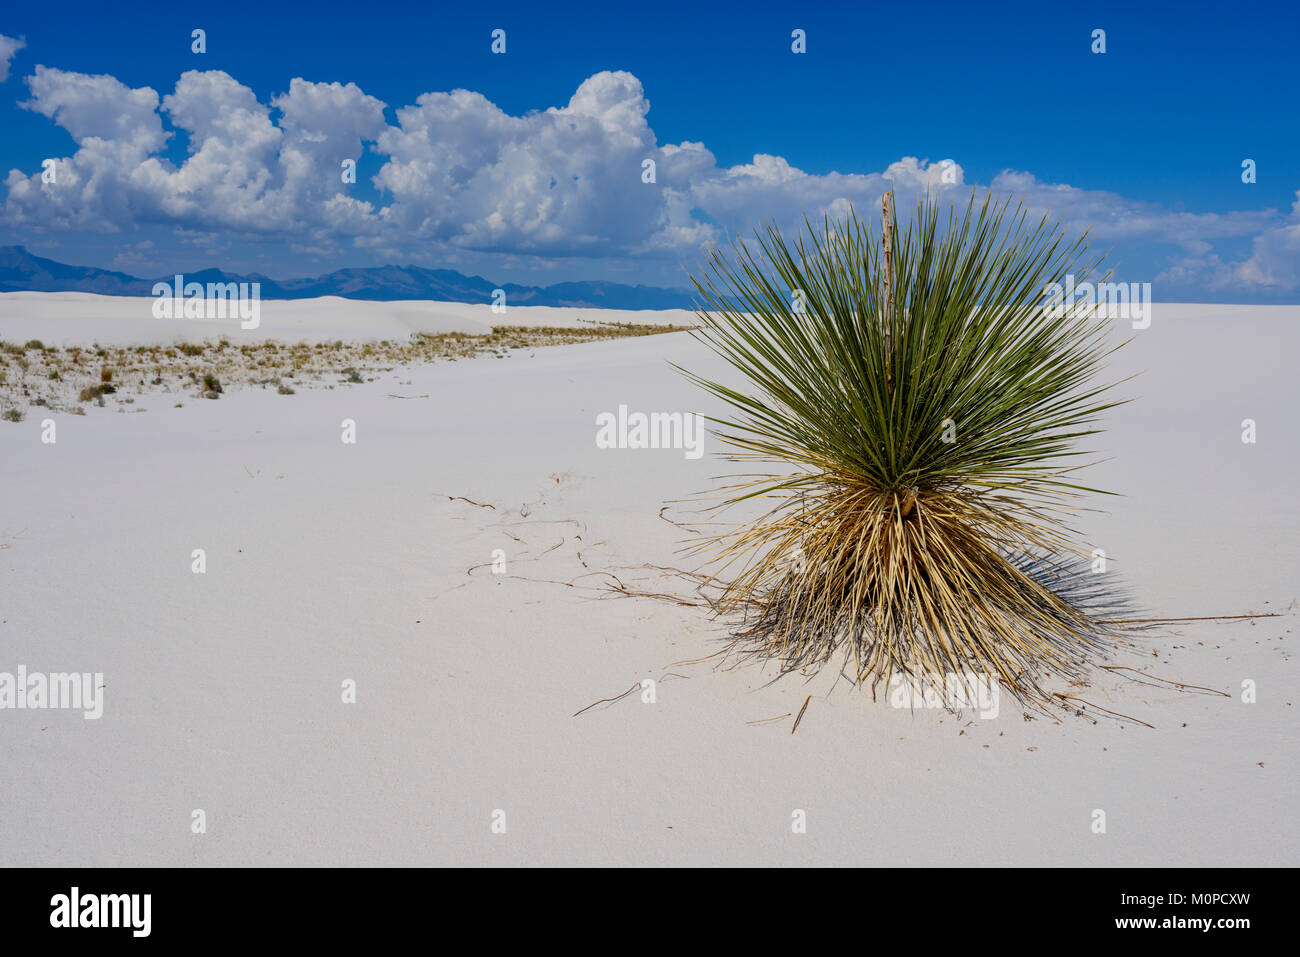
[[79, 318], [328, 562]]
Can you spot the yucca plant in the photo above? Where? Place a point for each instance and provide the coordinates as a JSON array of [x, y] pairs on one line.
[[917, 412]]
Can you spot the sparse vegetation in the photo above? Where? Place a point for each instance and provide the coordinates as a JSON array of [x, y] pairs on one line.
[[95, 372]]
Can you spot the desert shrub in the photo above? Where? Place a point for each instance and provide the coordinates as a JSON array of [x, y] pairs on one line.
[[914, 417]]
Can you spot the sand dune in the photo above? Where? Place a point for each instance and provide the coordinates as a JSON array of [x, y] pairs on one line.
[[70, 318], [328, 562]]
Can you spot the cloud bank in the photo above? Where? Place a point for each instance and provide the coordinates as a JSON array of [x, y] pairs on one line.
[[586, 179]]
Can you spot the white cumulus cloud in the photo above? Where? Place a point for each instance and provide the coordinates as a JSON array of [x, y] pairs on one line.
[[8, 47], [1275, 256]]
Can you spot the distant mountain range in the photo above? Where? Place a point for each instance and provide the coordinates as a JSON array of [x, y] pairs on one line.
[[20, 271]]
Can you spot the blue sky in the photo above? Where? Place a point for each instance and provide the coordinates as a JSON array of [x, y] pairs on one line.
[[1144, 143]]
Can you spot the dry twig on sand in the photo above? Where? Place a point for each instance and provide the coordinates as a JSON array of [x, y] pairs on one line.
[[1070, 697], [1177, 684], [462, 498], [609, 700], [801, 711]]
